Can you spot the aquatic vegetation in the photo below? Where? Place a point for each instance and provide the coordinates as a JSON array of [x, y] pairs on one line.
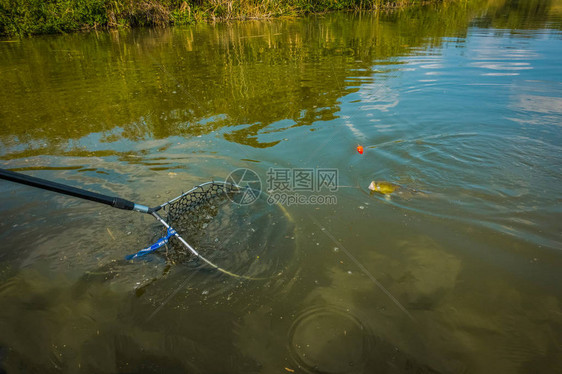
[[26, 17]]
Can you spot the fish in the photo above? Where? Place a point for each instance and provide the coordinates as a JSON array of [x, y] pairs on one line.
[[388, 189], [385, 188]]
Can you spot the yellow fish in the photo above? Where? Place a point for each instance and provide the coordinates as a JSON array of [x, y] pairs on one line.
[[386, 188]]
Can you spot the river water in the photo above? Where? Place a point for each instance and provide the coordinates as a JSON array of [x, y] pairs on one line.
[[459, 271]]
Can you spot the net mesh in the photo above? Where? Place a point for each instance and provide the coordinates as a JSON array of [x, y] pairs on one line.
[[190, 215], [178, 209], [250, 239]]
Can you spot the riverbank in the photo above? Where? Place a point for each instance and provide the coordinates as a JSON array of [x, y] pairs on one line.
[[28, 17]]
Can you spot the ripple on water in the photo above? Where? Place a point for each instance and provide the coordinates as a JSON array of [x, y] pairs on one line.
[[495, 179], [329, 340]]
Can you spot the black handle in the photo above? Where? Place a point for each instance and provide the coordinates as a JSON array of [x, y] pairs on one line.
[[44, 184]]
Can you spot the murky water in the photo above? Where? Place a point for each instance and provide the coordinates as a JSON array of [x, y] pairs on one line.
[[460, 105]]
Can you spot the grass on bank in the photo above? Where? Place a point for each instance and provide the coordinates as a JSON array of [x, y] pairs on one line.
[[27, 17]]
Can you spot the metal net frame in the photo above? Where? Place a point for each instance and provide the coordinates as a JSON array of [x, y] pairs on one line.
[[190, 212], [188, 219]]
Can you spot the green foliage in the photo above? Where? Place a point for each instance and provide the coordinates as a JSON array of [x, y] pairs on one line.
[[26, 17]]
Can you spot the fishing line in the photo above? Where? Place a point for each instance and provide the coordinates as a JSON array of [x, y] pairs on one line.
[[363, 268]]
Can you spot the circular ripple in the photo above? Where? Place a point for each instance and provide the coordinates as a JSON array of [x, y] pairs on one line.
[[329, 340]]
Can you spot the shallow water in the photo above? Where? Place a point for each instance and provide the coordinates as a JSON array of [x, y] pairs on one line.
[[461, 105]]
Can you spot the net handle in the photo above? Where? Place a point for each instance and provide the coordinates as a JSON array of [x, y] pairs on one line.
[[113, 201]]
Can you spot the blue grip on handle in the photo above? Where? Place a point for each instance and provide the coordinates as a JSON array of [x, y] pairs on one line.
[[161, 242]]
